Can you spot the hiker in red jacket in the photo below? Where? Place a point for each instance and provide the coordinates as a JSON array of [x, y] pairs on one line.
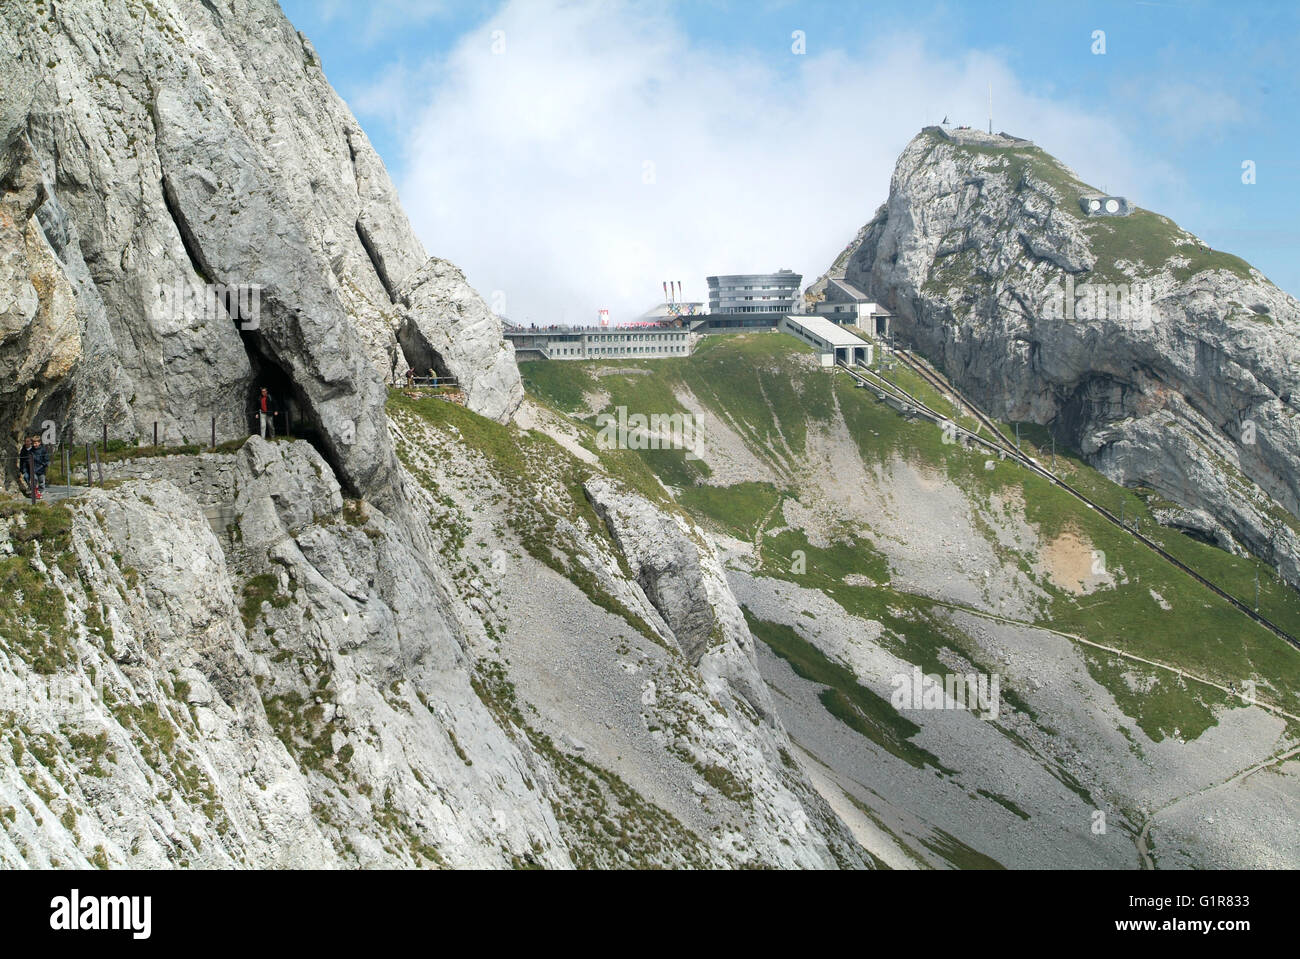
[[265, 413]]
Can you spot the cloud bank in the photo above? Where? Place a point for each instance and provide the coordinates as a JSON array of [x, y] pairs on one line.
[[573, 155]]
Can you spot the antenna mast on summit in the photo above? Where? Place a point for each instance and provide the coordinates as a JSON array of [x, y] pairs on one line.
[[990, 108]]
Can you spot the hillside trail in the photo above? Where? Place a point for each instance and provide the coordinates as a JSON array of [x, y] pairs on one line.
[[1142, 839], [1143, 836], [762, 530], [1073, 637]]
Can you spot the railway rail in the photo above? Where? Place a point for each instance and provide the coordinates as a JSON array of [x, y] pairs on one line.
[[1003, 445]]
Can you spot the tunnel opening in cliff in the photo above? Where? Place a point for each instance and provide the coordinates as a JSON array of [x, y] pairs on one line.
[[293, 414], [419, 353]]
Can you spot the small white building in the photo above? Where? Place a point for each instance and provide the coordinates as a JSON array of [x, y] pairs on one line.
[[835, 343], [845, 304]]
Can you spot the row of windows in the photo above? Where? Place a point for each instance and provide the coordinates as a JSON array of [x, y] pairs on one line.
[[618, 350], [626, 337], [781, 290]]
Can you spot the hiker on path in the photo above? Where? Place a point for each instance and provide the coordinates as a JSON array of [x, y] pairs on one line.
[[40, 461], [265, 412], [27, 468]]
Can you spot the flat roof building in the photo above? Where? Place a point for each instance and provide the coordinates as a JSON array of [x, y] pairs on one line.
[[600, 342], [835, 343], [754, 292]]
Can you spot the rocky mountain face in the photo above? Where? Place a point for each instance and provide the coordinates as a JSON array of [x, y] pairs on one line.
[[152, 151], [419, 636], [1169, 365], [868, 556]]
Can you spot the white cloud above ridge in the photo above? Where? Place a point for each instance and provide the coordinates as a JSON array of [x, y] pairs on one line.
[[528, 167]]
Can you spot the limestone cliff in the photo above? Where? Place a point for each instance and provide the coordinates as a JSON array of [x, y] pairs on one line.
[[404, 638], [156, 148], [1169, 365]]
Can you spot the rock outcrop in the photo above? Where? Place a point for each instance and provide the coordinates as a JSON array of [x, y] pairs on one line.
[[685, 581], [160, 159], [445, 326], [1169, 365]]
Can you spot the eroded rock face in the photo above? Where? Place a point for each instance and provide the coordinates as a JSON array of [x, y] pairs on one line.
[[684, 580], [445, 323], [183, 144], [333, 732], [976, 252]]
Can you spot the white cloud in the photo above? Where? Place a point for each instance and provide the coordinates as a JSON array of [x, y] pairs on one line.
[[1189, 112], [528, 167], [379, 19]]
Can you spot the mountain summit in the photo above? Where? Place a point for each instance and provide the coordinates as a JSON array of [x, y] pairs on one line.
[[1168, 364]]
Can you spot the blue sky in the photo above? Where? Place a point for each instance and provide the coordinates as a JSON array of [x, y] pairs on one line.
[[571, 154]]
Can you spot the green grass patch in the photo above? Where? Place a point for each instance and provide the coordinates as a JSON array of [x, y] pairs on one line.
[[263, 588], [34, 617], [738, 509], [844, 697]]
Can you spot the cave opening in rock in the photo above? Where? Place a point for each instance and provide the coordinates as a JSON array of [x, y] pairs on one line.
[[1200, 535], [296, 416], [420, 356]]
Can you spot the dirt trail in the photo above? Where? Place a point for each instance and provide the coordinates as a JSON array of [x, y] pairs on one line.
[[1236, 777]]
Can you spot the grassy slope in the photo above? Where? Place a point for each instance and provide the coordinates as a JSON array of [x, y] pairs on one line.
[[755, 382]]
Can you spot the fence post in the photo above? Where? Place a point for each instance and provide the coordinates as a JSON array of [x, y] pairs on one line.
[[214, 433], [90, 480], [105, 437], [67, 467], [155, 433]]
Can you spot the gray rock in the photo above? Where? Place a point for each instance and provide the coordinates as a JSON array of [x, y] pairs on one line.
[[447, 327], [1196, 398], [169, 145]]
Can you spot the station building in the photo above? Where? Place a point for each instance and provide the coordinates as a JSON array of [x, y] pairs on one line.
[[754, 292], [834, 343], [599, 342], [845, 304]]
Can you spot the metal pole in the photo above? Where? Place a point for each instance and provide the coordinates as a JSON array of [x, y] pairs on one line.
[[90, 480], [67, 467], [214, 432], [105, 437], [155, 432], [1257, 590]]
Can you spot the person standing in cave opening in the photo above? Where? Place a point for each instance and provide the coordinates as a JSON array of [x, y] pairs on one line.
[[27, 468], [40, 463], [266, 413]]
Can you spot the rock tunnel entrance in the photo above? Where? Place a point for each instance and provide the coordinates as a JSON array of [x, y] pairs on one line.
[[297, 417], [292, 412], [420, 356]]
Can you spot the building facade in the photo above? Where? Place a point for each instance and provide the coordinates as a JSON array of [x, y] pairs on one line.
[[600, 343], [833, 342], [847, 305], [754, 292]]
